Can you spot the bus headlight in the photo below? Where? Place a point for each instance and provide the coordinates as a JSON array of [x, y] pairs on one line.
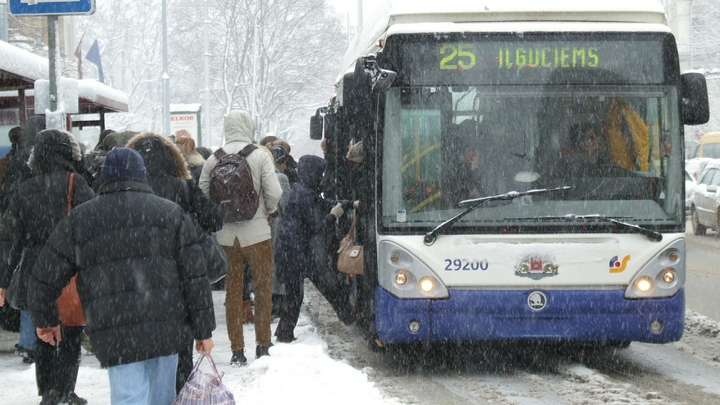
[[427, 284], [403, 275], [663, 276], [644, 284]]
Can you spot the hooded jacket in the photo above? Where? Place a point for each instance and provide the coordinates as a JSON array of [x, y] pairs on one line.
[[169, 178], [41, 202], [306, 215], [239, 129]]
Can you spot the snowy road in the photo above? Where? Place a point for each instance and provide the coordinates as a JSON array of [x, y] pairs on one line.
[[686, 372]]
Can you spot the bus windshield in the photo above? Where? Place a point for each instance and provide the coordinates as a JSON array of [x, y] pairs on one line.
[[610, 132]]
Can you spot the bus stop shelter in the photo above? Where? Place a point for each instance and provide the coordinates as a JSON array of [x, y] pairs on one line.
[[19, 69]]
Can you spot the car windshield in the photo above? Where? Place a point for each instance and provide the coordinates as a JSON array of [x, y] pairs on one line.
[[610, 144]]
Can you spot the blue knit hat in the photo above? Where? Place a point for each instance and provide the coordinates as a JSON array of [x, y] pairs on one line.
[[123, 162]]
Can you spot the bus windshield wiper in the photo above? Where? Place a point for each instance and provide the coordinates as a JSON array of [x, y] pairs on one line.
[[650, 234], [475, 203]]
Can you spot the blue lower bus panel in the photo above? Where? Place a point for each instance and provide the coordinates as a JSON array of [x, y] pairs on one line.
[[583, 315]]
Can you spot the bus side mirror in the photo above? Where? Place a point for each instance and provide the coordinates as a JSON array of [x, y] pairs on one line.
[[316, 126], [695, 106], [357, 95]]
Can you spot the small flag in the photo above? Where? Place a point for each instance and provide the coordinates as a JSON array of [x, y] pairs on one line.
[[93, 56], [78, 55]]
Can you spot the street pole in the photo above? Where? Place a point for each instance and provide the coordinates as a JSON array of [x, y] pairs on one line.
[[165, 76], [360, 14], [254, 78], [52, 53], [206, 70]]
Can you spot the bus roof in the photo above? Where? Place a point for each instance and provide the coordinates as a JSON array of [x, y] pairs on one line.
[[394, 12]]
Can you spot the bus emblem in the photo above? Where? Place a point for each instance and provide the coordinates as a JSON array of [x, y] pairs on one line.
[[537, 300], [617, 266], [536, 267]]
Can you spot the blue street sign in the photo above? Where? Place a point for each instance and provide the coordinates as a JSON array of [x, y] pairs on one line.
[[51, 7]]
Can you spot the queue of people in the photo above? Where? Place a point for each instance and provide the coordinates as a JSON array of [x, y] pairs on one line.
[[125, 224]]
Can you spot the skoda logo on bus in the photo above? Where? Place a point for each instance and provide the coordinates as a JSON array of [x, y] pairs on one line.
[[537, 300]]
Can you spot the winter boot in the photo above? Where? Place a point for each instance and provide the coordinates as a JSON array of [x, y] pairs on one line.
[[73, 399], [248, 316], [51, 397], [238, 358], [262, 351], [29, 356]]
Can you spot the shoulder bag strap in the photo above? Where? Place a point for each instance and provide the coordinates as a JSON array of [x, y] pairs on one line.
[[70, 192], [351, 231]]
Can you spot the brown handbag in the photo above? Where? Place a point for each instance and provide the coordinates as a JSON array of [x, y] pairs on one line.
[[350, 255], [69, 305]]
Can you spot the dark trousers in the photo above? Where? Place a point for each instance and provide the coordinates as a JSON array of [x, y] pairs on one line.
[[184, 367], [329, 285], [57, 366]]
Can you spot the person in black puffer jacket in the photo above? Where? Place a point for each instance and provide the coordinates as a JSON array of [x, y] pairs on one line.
[[141, 280], [37, 206], [169, 178]]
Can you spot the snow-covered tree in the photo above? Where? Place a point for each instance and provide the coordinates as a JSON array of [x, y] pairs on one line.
[[299, 49], [297, 52]]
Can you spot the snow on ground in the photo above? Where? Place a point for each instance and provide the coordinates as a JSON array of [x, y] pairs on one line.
[[303, 372], [300, 372], [700, 325]]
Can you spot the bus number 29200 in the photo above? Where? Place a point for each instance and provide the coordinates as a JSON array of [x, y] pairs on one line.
[[465, 265]]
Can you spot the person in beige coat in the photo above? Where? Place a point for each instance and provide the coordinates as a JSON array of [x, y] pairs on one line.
[[248, 241]]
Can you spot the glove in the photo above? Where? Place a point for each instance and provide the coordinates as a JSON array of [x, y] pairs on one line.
[[356, 204], [337, 211]]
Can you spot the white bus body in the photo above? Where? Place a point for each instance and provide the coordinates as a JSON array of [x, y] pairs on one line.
[[518, 85]]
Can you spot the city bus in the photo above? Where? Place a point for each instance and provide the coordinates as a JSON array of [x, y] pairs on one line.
[[523, 171]]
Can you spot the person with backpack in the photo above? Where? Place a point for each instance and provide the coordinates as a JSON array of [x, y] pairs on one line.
[[241, 179]]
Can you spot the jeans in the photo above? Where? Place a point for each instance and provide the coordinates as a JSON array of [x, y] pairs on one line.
[[147, 382], [28, 336]]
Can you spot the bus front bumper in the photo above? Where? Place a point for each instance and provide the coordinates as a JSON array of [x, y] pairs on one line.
[[481, 315]]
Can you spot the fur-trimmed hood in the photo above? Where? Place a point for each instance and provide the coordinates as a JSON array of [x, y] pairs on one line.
[[54, 149], [160, 154]]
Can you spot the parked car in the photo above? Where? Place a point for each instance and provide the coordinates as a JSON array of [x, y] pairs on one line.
[[690, 185], [706, 200], [695, 166]]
